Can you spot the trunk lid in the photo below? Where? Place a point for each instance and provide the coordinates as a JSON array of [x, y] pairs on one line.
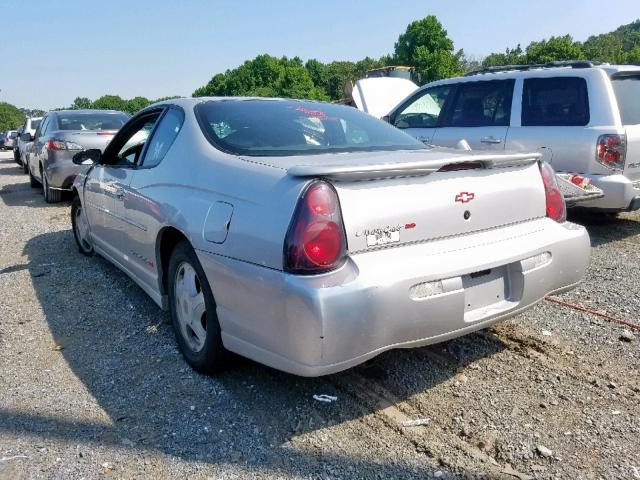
[[403, 197], [88, 138]]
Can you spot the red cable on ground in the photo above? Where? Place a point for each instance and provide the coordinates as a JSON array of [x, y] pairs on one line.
[[593, 312]]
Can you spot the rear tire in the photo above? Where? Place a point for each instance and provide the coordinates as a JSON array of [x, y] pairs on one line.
[[50, 195], [193, 312], [80, 226]]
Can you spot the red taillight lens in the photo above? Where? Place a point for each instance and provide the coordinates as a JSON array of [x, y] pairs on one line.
[[56, 145], [611, 150], [556, 208], [315, 242]]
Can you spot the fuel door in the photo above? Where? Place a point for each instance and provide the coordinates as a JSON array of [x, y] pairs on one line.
[[216, 225]]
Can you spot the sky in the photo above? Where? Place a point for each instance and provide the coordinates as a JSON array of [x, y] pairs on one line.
[[55, 51]]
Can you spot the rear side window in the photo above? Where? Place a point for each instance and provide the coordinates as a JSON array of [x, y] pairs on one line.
[[164, 136], [627, 90], [555, 102], [482, 104], [424, 110]]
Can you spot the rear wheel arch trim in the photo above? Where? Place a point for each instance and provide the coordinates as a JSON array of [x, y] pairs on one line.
[[167, 239]]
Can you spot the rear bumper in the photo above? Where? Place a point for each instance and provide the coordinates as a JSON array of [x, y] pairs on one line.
[[620, 193], [322, 324], [61, 173]]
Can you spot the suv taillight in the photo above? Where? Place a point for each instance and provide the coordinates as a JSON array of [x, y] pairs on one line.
[[315, 242], [611, 150], [556, 208]]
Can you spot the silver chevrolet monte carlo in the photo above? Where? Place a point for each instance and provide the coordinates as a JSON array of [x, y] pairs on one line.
[[311, 237]]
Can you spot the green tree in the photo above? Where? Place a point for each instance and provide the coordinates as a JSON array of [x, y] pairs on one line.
[[554, 49], [511, 56], [426, 46], [136, 104], [264, 76], [110, 102], [81, 103], [10, 117]]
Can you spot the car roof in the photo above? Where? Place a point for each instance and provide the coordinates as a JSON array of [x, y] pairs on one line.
[[85, 111], [524, 71], [190, 102]]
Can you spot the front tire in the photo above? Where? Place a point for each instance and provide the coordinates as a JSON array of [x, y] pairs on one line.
[[80, 226], [193, 312], [25, 164], [50, 195]]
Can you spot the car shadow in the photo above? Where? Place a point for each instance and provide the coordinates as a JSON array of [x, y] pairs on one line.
[[605, 227], [23, 195], [121, 346]]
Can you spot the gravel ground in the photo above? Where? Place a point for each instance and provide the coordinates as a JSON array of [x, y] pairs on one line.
[[92, 384]]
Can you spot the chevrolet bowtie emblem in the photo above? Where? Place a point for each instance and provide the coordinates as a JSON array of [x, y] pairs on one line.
[[465, 197]]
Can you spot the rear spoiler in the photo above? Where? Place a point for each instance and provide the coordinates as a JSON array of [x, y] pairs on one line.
[[368, 171]]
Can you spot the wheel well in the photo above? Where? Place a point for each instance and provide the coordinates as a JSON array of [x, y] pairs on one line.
[[168, 238]]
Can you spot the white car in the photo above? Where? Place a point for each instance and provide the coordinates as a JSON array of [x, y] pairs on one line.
[[25, 141], [584, 118]]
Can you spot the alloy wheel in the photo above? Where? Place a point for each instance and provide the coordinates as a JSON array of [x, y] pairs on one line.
[[190, 307]]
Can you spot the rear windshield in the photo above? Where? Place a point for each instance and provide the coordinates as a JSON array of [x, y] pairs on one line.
[[627, 89], [91, 121], [290, 127]]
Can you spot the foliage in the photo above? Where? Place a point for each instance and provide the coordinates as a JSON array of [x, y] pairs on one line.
[[554, 49], [620, 46], [10, 117], [426, 46], [264, 76]]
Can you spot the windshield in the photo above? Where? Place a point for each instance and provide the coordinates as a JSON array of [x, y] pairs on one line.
[[35, 124], [627, 90], [91, 121], [290, 127]]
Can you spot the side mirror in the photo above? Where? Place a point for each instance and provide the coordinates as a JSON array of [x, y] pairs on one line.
[[26, 137], [87, 157], [386, 118]]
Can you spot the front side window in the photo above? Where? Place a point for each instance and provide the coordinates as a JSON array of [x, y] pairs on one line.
[[556, 101], [627, 90], [482, 104], [424, 111], [91, 121], [129, 154], [289, 127], [164, 136]]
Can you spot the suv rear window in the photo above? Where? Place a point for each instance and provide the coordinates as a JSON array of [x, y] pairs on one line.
[[557, 102], [292, 127], [627, 90]]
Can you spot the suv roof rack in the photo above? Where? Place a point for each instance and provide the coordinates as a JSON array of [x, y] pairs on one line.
[[522, 68]]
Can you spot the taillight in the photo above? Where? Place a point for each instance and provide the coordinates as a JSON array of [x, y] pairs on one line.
[[315, 242], [611, 150], [54, 144], [556, 208]]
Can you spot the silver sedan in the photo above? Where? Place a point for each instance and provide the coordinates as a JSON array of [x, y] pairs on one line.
[[311, 237]]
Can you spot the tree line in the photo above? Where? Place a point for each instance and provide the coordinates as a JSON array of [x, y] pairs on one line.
[[424, 44]]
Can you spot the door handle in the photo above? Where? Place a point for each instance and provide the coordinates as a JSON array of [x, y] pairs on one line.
[[120, 193], [490, 140]]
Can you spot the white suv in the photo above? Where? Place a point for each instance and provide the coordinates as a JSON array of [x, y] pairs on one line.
[[582, 117]]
